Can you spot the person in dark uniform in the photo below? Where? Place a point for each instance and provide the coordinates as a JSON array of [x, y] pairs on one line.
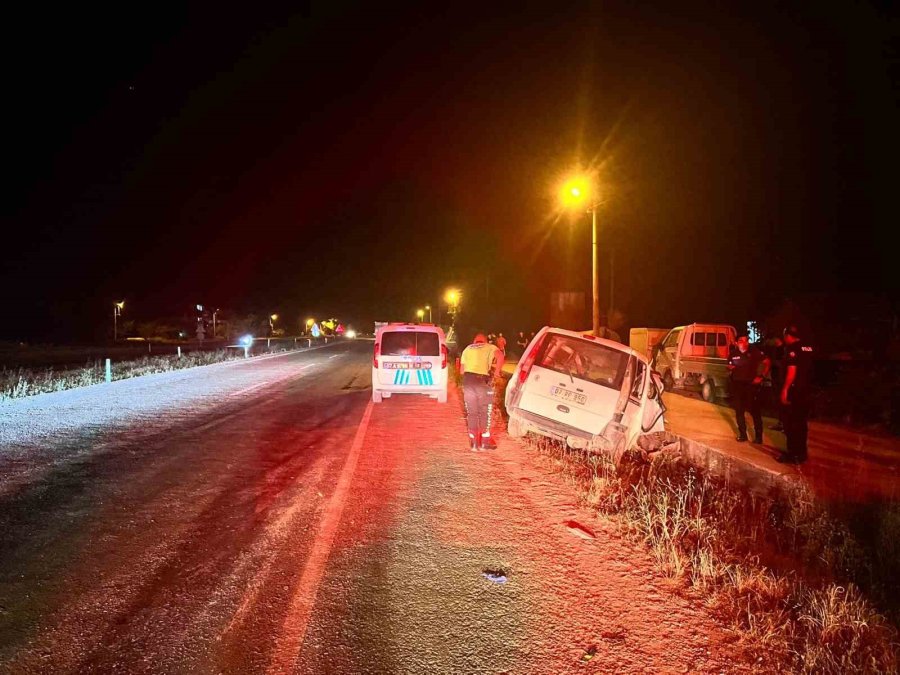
[[748, 366], [795, 395], [521, 342], [775, 352]]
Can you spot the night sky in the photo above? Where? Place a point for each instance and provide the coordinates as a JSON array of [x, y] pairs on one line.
[[355, 161]]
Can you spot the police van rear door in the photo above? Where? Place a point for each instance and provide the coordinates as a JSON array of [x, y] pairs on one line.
[[409, 357]]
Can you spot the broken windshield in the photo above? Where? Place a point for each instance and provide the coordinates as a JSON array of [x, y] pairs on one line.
[[583, 359]]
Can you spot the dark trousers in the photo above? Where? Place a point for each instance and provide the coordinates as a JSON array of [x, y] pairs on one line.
[[478, 394], [796, 427], [746, 399]]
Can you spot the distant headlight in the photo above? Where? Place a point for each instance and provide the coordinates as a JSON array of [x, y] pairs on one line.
[[246, 340], [351, 333]]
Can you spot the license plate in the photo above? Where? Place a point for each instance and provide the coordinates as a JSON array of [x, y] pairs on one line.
[[566, 395], [405, 365]]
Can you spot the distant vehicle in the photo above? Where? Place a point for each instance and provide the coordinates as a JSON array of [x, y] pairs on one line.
[[589, 392], [409, 358], [696, 355], [645, 340]]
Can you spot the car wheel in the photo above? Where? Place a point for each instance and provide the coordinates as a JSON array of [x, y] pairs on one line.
[[708, 390], [514, 427], [376, 396]]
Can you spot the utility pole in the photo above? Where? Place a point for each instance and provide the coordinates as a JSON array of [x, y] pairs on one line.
[[595, 275], [612, 279]]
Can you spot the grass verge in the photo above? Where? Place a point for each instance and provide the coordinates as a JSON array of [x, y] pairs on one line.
[[21, 382], [807, 594]]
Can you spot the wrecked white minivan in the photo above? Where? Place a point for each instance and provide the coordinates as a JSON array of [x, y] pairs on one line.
[[591, 393]]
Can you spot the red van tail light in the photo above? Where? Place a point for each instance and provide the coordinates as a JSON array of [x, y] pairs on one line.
[[375, 355], [528, 362], [444, 355]]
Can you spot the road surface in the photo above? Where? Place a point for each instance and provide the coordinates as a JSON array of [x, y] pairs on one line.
[[265, 517]]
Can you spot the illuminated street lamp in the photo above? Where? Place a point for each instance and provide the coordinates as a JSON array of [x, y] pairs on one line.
[[428, 307], [272, 319], [420, 313], [577, 193], [452, 298], [117, 312]]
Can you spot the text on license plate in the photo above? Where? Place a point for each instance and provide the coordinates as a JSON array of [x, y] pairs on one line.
[[406, 365], [567, 395]]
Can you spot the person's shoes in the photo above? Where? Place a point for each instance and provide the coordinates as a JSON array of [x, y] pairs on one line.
[[487, 443], [741, 437], [788, 459], [758, 439], [473, 444]]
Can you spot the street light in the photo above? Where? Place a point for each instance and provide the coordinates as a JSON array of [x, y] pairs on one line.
[[117, 312], [428, 307], [420, 313], [272, 320], [576, 193], [214, 323], [452, 298]]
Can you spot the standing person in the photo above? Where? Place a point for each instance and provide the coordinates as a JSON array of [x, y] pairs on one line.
[[776, 356], [748, 366], [501, 344], [795, 395], [479, 364], [521, 342]]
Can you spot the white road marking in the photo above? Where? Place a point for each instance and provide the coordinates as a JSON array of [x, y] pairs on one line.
[[287, 649], [249, 389]]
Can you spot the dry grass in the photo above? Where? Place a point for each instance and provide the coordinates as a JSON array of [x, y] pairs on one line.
[[21, 382], [779, 570]]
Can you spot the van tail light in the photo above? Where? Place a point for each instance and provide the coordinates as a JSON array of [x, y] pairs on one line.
[[444, 354], [375, 356], [528, 362]]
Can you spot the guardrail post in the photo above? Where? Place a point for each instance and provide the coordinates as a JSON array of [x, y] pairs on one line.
[[179, 351], [108, 371], [268, 343]]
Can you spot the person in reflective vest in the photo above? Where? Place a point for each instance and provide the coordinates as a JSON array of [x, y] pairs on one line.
[[479, 364]]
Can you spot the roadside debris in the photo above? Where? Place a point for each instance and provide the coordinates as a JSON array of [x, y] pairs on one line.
[[579, 530], [497, 576], [663, 442], [589, 653]]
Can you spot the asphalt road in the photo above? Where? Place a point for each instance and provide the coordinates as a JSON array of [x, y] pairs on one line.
[[264, 516]]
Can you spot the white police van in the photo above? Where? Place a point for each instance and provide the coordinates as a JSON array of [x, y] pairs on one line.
[[410, 358]]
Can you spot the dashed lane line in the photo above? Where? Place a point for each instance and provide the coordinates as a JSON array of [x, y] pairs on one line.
[[249, 389]]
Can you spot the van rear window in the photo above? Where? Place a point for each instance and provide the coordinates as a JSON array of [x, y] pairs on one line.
[[410, 343], [584, 360]]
